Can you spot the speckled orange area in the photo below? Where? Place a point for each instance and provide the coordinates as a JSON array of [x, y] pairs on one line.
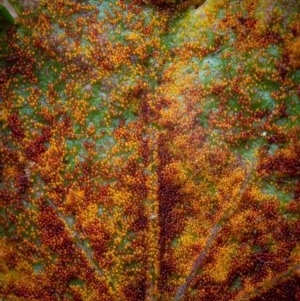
[[150, 151]]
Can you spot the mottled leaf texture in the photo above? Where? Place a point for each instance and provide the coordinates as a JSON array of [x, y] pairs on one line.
[[150, 150]]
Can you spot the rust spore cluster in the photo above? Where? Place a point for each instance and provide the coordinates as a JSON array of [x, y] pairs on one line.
[[150, 151]]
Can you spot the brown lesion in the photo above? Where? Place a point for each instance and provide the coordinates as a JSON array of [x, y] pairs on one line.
[[293, 48], [177, 4]]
